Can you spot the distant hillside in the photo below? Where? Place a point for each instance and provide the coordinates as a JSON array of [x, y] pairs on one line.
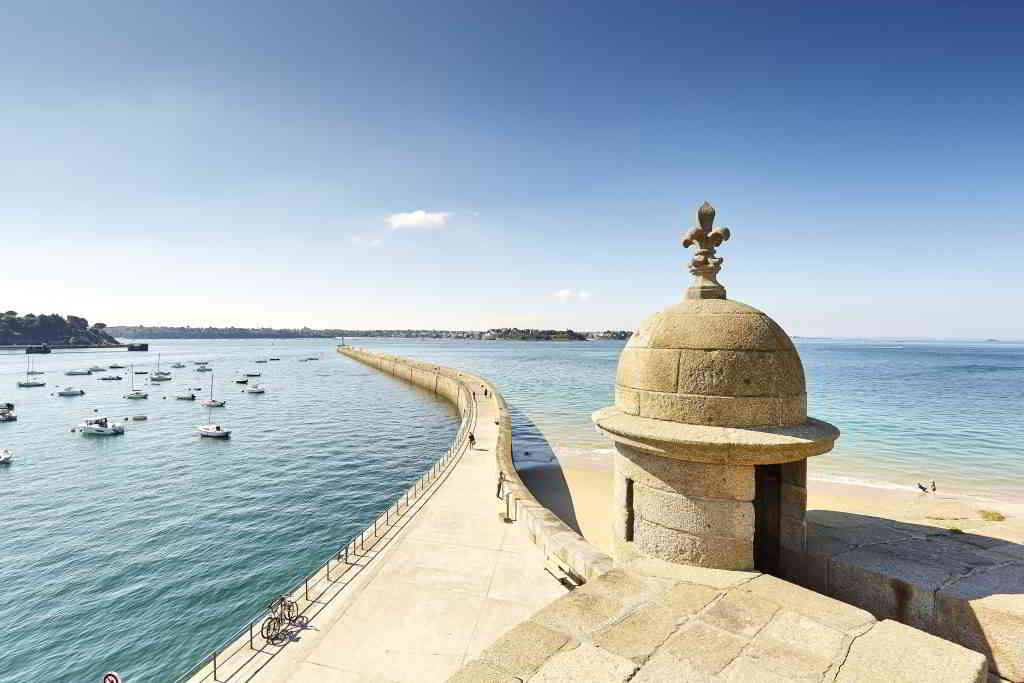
[[168, 332], [51, 329]]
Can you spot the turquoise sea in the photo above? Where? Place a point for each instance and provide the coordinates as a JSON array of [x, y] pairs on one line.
[[141, 552]]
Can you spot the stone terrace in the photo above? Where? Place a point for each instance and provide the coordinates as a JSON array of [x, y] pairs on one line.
[[652, 621]]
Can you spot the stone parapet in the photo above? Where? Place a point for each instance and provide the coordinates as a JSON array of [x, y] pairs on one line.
[[651, 621], [963, 587], [582, 560]]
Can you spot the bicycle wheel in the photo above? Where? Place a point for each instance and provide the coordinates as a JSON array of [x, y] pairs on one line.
[[271, 629], [291, 610]]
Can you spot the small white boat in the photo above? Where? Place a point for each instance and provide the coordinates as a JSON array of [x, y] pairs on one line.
[[100, 426], [275, 359], [200, 362], [262, 360], [97, 368], [255, 389], [214, 431], [31, 383], [111, 378], [160, 378], [71, 391], [159, 375], [134, 393], [78, 372], [7, 413], [204, 368], [186, 397], [242, 381], [140, 418], [252, 374], [140, 372], [177, 365], [212, 402], [6, 456], [116, 367]]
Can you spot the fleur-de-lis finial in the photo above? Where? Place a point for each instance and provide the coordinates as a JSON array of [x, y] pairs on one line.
[[705, 265]]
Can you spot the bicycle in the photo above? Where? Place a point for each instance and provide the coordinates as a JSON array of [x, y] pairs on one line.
[[282, 610]]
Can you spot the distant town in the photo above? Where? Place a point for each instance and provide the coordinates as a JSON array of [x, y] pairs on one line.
[[501, 333]]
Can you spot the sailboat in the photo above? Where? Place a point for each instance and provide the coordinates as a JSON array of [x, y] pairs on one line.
[[133, 392], [212, 402], [28, 381], [213, 431], [159, 375]]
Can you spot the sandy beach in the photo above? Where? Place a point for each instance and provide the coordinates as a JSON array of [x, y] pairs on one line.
[[590, 488]]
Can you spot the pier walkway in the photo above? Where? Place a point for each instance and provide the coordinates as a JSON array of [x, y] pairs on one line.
[[429, 594]]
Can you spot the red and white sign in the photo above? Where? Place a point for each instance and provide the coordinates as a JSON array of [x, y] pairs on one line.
[[111, 677]]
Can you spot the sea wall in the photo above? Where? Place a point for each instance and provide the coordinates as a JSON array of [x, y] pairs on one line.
[[572, 553]]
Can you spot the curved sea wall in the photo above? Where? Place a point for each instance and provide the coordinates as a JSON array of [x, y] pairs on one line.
[[569, 550]]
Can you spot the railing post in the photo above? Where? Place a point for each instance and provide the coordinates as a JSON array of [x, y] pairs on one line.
[[306, 582], [251, 646], [215, 665], [328, 569]]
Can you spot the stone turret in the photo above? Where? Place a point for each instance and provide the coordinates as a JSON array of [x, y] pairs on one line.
[[711, 430]]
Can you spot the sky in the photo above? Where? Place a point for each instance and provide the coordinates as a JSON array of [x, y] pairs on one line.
[[467, 165]]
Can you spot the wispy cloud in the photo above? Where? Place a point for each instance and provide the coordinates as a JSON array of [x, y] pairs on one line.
[[566, 295], [363, 242], [419, 219]]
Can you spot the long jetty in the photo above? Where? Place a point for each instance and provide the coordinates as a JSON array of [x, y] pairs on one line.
[[438, 577]]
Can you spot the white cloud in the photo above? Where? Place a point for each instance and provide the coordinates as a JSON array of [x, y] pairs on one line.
[[419, 219], [356, 239], [584, 295], [564, 295]]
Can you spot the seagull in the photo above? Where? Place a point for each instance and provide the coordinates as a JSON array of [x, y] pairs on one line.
[[923, 488], [933, 486]]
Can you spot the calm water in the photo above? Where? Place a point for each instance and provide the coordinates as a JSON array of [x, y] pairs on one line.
[[139, 553], [909, 411]]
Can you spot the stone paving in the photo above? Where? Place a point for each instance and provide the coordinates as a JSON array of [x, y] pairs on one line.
[[651, 621]]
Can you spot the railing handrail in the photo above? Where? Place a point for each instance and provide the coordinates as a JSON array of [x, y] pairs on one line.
[[459, 443]]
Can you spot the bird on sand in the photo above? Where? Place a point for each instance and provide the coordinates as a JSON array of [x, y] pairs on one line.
[[922, 487], [933, 486]]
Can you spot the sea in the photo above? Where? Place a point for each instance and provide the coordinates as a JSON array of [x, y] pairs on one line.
[[141, 553]]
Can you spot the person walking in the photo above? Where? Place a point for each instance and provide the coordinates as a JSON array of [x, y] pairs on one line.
[[472, 440]]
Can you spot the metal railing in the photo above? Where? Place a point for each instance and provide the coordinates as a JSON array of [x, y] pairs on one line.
[[391, 516]]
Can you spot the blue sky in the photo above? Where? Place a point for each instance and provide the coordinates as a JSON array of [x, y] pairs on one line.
[[247, 163]]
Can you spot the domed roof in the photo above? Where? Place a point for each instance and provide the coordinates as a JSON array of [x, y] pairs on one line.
[[712, 362]]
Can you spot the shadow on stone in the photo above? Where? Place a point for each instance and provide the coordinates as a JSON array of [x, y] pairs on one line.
[[539, 469], [964, 587]]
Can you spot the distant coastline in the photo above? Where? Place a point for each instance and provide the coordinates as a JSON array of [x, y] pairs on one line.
[[503, 333], [51, 330]]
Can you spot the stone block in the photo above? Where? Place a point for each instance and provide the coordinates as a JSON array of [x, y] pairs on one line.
[[704, 551], [479, 671], [698, 516], [585, 664], [525, 648], [579, 614], [687, 598], [742, 332], [798, 647], [833, 613], [626, 587], [745, 670], [733, 482], [664, 667], [793, 500], [795, 473], [792, 533], [899, 580], [724, 411], [650, 369], [739, 373], [985, 612], [712, 578], [705, 648], [740, 612], [894, 652], [627, 400], [640, 633]]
